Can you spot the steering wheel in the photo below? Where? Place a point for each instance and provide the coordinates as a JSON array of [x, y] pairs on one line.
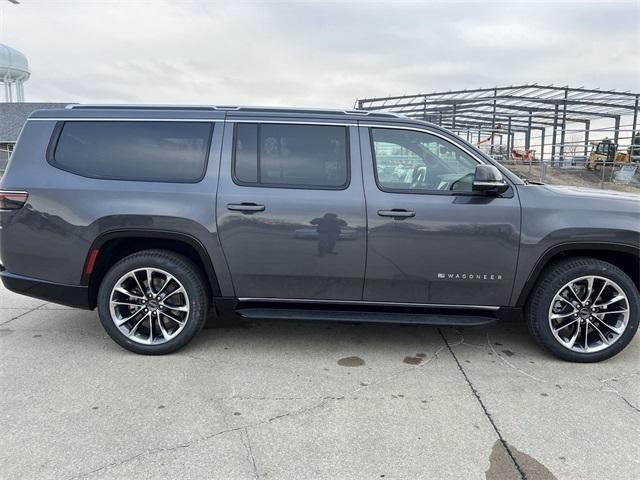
[[418, 176]]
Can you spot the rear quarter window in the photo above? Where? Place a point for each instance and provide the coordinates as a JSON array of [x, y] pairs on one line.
[[134, 150]]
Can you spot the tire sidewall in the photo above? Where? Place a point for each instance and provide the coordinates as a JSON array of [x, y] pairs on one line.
[[183, 271], [541, 315]]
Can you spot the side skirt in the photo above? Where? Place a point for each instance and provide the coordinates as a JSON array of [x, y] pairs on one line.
[[268, 309]]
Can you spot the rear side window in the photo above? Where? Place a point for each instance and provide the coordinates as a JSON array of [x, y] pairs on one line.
[[134, 150], [293, 156]]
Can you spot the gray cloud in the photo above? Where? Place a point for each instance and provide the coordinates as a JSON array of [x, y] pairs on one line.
[[315, 53]]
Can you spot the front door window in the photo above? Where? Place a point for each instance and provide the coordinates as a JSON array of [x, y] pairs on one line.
[[417, 162]]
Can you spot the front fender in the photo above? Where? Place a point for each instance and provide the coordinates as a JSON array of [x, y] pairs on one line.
[[524, 284]]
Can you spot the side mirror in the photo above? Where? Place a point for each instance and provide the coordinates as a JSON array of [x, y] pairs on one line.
[[489, 179]]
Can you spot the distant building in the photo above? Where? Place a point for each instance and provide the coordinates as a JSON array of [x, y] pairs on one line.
[[12, 118], [14, 71]]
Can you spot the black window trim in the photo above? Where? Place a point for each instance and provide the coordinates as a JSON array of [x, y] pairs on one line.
[[450, 193], [59, 126], [258, 184]]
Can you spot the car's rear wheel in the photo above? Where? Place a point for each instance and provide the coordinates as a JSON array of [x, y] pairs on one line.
[[153, 302], [584, 310]]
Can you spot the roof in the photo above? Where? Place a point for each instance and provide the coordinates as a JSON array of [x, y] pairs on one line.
[[99, 112], [13, 116]]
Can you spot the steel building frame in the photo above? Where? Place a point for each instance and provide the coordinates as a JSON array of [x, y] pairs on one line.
[[522, 109]]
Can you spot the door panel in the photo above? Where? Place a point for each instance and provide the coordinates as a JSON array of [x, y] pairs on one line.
[[441, 248], [292, 242]]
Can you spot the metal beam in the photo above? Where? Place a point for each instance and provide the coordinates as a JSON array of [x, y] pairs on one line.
[[453, 120], [527, 138], [534, 86], [509, 143], [504, 115], [545, 101], [564, 124], [528, 109], [555, 131], [489, 120], [587, 127], [474, 125], [634, 128]]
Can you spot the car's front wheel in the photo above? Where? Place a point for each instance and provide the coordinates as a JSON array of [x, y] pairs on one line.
[[153, 302], [584, 310]]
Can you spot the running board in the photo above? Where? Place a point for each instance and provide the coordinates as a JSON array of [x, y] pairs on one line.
[[373, 317]]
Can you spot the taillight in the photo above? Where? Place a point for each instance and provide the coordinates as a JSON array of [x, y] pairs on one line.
[[12, 200]]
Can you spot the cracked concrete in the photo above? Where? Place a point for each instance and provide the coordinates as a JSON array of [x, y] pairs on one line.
[[247, 443], [516, 464], [271, 401]]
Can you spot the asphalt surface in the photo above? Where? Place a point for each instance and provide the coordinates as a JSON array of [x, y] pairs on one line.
[[293, 400]]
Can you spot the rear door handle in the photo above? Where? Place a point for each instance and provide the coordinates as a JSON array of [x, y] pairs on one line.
[[396, 213], [245, 207]]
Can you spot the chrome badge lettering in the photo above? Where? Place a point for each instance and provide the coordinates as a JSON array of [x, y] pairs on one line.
[[489, 277]]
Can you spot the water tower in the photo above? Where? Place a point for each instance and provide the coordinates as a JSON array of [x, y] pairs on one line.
[[14, 71]]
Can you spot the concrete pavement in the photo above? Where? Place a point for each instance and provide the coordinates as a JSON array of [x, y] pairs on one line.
[[293, 400]]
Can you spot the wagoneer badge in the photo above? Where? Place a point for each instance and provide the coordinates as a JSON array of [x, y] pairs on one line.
[[470, 276]]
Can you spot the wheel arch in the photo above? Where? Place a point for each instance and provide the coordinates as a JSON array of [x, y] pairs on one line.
[[625, 257], [110, 247]]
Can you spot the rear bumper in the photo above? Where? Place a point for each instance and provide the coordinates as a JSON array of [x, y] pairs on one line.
[[71, 295]]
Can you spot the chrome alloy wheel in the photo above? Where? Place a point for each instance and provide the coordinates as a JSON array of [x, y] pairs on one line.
[[589, 314], [149, 306]]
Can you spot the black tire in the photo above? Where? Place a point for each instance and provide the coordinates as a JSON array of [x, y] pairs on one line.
[[184, 271], [552, 280]]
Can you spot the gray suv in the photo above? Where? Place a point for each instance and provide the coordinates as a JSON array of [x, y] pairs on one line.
[[163, 216]]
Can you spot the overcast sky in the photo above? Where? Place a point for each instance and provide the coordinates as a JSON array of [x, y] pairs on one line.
[[314, 53]]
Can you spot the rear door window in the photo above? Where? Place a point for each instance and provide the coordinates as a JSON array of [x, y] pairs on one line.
[[293, 156], [163, 151]]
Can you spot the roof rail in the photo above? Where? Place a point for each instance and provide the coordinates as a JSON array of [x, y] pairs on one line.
[[326, 111], [97, 106]]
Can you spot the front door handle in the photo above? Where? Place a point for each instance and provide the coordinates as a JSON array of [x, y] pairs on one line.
[[245, 207], [397, 213]]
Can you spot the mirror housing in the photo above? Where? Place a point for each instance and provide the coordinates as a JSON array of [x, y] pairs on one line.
[[488, 179]]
